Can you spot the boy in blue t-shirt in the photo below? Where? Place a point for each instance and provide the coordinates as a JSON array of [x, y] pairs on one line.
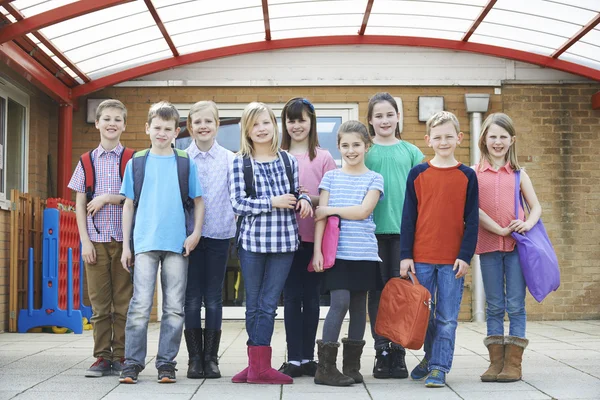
[[159, 237]]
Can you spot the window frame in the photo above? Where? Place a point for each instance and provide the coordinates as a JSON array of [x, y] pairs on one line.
[[8, 92]]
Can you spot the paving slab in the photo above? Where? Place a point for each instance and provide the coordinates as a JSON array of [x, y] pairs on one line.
[[561, 362]]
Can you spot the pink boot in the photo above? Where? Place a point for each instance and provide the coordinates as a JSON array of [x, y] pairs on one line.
[[242, 376], [260, 370]]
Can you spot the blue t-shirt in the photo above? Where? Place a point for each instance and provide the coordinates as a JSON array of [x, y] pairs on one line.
[[160, 219], [357, 237]]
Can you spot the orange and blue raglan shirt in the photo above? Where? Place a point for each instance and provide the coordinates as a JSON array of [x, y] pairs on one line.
[[440, 218]]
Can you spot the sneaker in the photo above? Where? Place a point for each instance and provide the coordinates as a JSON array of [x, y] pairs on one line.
[[381, 369], [100, 368], [398, 364], [130, 373], [436, 379], [309, 368], [291, 370], [420, 371], [117, 366], [166, 374]]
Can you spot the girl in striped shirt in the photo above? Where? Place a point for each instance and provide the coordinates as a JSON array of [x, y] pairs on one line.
[[351, 192], [268, 234]]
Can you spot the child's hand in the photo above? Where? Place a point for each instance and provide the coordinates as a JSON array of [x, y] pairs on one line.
[[190, 243], [96, 204], [519, 226], [405, 265], [318, 261], [284, 201], [126, 259], [88, 252], [321, 213], [302, 190], [505, 231], [305, 209], [463, 268]]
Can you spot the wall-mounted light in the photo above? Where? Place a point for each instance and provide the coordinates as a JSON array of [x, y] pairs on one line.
[[429, 105], [92, 106]]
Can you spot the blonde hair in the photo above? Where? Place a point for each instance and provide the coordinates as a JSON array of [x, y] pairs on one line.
[[200, 106], [505, 122], [249, 117], [440, 118], [111, 103], [165, 111], [355, 127]]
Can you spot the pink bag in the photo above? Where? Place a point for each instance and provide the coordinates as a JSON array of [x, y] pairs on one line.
[[329, 244]]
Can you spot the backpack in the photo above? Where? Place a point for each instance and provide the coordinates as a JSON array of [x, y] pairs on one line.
[[249, 182], [90, 172], [183, 172]]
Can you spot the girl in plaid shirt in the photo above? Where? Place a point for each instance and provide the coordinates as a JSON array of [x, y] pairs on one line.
[[268, 234]]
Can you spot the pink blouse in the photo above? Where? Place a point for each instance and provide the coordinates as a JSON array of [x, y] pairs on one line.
[[497, 200]]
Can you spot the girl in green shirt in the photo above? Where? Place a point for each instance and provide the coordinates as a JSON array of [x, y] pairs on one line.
[[393, 158]]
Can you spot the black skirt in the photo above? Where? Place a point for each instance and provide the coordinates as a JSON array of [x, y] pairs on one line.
[[357, 276]]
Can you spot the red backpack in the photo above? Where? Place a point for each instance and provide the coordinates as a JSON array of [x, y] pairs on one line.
[[90, 172]]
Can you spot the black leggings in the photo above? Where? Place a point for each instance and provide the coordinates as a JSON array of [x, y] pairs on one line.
[[341, 301]]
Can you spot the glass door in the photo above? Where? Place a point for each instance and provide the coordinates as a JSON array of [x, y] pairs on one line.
[[330, 117]]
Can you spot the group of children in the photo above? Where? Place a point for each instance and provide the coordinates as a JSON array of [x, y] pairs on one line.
[[396, 214]]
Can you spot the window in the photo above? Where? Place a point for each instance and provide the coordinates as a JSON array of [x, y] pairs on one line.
[[13, 141], [329, 119]]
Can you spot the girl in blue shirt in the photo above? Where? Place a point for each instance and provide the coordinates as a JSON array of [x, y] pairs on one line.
[[351, 192]]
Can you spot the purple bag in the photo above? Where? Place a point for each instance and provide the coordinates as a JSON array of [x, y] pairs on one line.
[[536, 254]]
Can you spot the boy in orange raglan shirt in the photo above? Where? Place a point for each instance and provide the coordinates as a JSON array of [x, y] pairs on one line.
[[440, 220]]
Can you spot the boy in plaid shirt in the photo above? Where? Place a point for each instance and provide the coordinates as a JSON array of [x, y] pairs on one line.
[[99, 225]]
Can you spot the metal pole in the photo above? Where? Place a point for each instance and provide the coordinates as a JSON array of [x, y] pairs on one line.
[[478, 302]]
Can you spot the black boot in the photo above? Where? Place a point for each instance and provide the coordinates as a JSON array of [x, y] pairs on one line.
[[352, 351], [327, 372], [381, 369], [212, 338], [193, 341], [398, 365]]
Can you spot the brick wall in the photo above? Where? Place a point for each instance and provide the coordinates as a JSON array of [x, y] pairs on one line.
[[42, 143], [138, 100], [558, 145]]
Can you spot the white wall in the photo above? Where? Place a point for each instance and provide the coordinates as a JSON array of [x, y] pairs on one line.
[[355, 65]]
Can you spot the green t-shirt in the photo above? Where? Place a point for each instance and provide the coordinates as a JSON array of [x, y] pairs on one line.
[[393, 162]]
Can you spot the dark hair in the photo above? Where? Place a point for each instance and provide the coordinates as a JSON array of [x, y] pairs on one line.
[[380, 98], [354, 127], [292, 110]]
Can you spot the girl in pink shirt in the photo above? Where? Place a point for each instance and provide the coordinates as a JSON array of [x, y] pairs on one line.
[[503, 280], [302, 288]]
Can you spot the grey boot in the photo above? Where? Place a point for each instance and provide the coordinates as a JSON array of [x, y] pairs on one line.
[[327, 372]]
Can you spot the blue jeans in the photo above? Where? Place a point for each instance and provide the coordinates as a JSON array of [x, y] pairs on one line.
[[206, 272], [504, 286], [173, 274], [301, 300], [446, 295], [264, 277]]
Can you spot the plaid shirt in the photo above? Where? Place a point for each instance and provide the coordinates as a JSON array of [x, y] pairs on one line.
[[107, 223], [264, 229]]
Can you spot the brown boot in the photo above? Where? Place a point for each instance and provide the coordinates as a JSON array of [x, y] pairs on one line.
[[327, 372], [351, 365], [513, 356], [495, 345]]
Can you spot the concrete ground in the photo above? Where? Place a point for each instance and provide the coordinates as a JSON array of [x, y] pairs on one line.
[[561, 362]]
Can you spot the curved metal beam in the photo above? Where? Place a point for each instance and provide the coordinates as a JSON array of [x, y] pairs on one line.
[[161, 27], [34, 72], [229, 51], [581, 33], [479, 19], [54, 16]]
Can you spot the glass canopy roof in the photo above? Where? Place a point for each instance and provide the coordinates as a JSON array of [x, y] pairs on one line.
[[109, 36]]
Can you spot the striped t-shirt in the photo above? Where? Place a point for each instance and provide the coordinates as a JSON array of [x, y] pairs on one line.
[[357, 238]]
